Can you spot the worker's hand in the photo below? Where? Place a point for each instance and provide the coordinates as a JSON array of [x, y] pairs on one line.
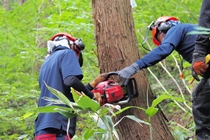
[[100, 78], [127, 72], [199, 66], [97, 97]]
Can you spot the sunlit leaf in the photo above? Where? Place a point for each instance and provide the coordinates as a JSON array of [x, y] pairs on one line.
[[65, 113], [88, 134], [114, 131], [108, 121], [163, 97], [51, 109], [99, 121], [28, 114], [21, 137], [132, 118], [85, 102], [104, 111], [60, 95], [151, 111], [52, 100], [106, 136], [47, 109], [126, 108]]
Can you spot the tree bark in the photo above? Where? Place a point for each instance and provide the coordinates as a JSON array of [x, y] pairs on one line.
[[117, 48], [21, 2], [6, 4]]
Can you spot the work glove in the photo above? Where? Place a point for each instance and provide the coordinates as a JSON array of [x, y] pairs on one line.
[[127, 72], [199, 66], [97, 97], [100, 78]]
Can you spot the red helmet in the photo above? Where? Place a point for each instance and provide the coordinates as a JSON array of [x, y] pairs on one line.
[[78, 45], [160, 25], [63, 34]]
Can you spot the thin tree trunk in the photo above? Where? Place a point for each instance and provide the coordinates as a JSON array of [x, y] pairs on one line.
[[6, 4], [117, 48], [21, 2]]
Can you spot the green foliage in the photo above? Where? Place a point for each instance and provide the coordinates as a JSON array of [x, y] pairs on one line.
[[24, 31], [151, 111], [83, 105]]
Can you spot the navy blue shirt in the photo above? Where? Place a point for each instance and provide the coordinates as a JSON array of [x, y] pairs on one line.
[[175, 39], [62, 63]]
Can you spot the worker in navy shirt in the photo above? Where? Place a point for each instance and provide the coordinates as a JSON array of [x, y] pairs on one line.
[[169, 34], [201, 94], [61, 70]]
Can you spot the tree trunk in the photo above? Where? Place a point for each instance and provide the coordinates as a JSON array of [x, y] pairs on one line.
[[21, 2], [117, 48], [6, 4]]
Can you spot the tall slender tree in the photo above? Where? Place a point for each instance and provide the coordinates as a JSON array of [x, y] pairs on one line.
[[117, 48], [21, 2], [6, 4]]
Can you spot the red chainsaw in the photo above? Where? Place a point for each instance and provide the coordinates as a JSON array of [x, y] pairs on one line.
[[113, 92]]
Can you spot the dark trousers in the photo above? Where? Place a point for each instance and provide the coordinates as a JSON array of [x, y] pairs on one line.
[[201, 109], [52, 134]]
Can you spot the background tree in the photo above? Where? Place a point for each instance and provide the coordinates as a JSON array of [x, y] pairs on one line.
[[21, 2], [6, 5], [117, 48]]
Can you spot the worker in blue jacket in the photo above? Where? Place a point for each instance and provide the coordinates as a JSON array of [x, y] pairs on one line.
[[61, 71], [169, 34], [201, 94]]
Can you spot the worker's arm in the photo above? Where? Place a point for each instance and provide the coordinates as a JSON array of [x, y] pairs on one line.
[[156, 55], [150, 59], [74, 82], [202, 43]]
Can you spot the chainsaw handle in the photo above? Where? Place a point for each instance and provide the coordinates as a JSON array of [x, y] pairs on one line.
[[132, 82], [112, 73]]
